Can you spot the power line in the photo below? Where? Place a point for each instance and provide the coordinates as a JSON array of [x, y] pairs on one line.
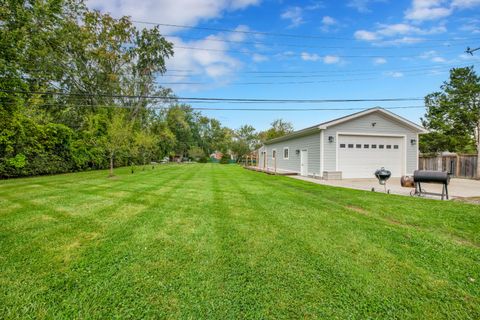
[[211, 99], [233, 109], [293, 45], [290, 35], [339, 56]]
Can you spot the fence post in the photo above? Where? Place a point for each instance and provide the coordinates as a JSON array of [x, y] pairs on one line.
[[457, 166]]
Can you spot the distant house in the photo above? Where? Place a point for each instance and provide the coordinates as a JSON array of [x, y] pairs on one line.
[[217, 155], [353, 146]]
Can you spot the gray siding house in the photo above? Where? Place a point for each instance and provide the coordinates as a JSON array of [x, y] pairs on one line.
[[353, 146]]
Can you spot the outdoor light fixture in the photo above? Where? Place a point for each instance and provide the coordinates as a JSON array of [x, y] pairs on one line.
[[297, 152], [413, 142], [330, 139], [373, 124]]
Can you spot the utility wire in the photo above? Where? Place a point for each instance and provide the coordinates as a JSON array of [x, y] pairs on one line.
[[230, 109], [293, 45], [211, 99], [290, 35]]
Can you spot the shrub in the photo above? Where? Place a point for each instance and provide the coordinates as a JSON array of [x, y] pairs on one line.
[[203, 160], [225, 159]]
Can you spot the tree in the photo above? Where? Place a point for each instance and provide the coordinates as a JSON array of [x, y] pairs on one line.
[[278, 128], [118, 137], [146, 143], [453, 114], [196, 153], [244, 141]]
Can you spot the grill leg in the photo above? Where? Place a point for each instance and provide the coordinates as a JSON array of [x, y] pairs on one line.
[[446, 190], [443, 191]]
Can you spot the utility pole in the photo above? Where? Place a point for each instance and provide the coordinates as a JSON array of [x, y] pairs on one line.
[[471, 51]]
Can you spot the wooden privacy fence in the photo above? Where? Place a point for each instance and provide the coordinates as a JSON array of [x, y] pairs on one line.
[[458, 165]]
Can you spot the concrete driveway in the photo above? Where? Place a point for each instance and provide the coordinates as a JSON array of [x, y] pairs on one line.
[[458, 188]]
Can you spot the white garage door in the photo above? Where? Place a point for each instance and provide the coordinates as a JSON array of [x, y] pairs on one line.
[[360, 156]]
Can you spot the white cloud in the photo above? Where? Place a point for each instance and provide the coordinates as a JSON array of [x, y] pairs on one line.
[[379, 61], [399, 41], [471, 25], [365, 35], [328, 21], [259, 57], [402, 30], [238, 36], [362, 5], [295, 15], [309, 56], [182, 12], [394, 74], [433, 56], [465, 3], [331, 59], [438, 59], [215, 64], [422, 10]]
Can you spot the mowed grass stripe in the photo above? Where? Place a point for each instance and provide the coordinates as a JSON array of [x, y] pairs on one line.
[[213, 241]]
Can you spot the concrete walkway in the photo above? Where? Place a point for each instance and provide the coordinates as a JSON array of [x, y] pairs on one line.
[[458, 188]]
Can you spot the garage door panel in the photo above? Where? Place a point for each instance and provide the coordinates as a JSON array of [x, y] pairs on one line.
[[360, 156]]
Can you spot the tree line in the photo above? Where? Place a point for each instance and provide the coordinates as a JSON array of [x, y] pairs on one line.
[[72, 88], [73, 83]]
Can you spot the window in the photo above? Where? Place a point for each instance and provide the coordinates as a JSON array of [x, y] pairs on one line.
[[366, 146], [274, 154], [389, 146], [342, 145], [374, 146], [358, 146], [381, 146], [350, 145], [395, 146], [285, 153]]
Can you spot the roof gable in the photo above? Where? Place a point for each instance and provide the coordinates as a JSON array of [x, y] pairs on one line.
[[322, 126], [386, 113]]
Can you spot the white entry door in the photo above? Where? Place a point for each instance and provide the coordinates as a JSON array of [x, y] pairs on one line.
[[359, 156], [304, 163]]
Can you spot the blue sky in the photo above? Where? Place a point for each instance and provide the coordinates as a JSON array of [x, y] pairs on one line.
[[346, 50]]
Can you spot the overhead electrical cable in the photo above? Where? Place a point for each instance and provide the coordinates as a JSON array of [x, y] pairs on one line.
[[265, 33], [214, 98]]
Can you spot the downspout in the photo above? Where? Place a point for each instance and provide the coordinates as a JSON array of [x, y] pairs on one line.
[[322, 152]]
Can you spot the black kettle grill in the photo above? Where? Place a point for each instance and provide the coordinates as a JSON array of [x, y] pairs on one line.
[[383, 175]]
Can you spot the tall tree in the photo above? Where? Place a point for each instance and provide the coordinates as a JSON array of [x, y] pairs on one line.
[[453, 114], [278, 128]]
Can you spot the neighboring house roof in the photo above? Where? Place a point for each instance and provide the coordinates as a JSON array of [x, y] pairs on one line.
[[331, 123]]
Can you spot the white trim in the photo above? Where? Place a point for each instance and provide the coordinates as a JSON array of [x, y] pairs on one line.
[[304, 149], [368, 111], [286, 148], [417, 156], [322, 153], [404, 136]]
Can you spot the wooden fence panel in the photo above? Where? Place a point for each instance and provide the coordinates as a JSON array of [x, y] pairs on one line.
[[462, 165]]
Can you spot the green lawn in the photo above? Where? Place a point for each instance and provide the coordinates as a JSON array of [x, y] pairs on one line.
[[218, 241]]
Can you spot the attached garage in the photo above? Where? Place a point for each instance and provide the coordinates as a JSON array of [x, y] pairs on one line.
[[350, 147], [360, 155]]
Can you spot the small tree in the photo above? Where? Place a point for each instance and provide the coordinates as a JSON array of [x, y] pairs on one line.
[[147, 144], [119, 132], [196, 153], [453, 114]]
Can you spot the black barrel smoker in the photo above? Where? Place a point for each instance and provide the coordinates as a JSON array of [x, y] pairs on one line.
[[428, 176], [383, 175]]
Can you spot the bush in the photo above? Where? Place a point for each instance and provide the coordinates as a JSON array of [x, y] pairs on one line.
[[225, 159], [203, 160]]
